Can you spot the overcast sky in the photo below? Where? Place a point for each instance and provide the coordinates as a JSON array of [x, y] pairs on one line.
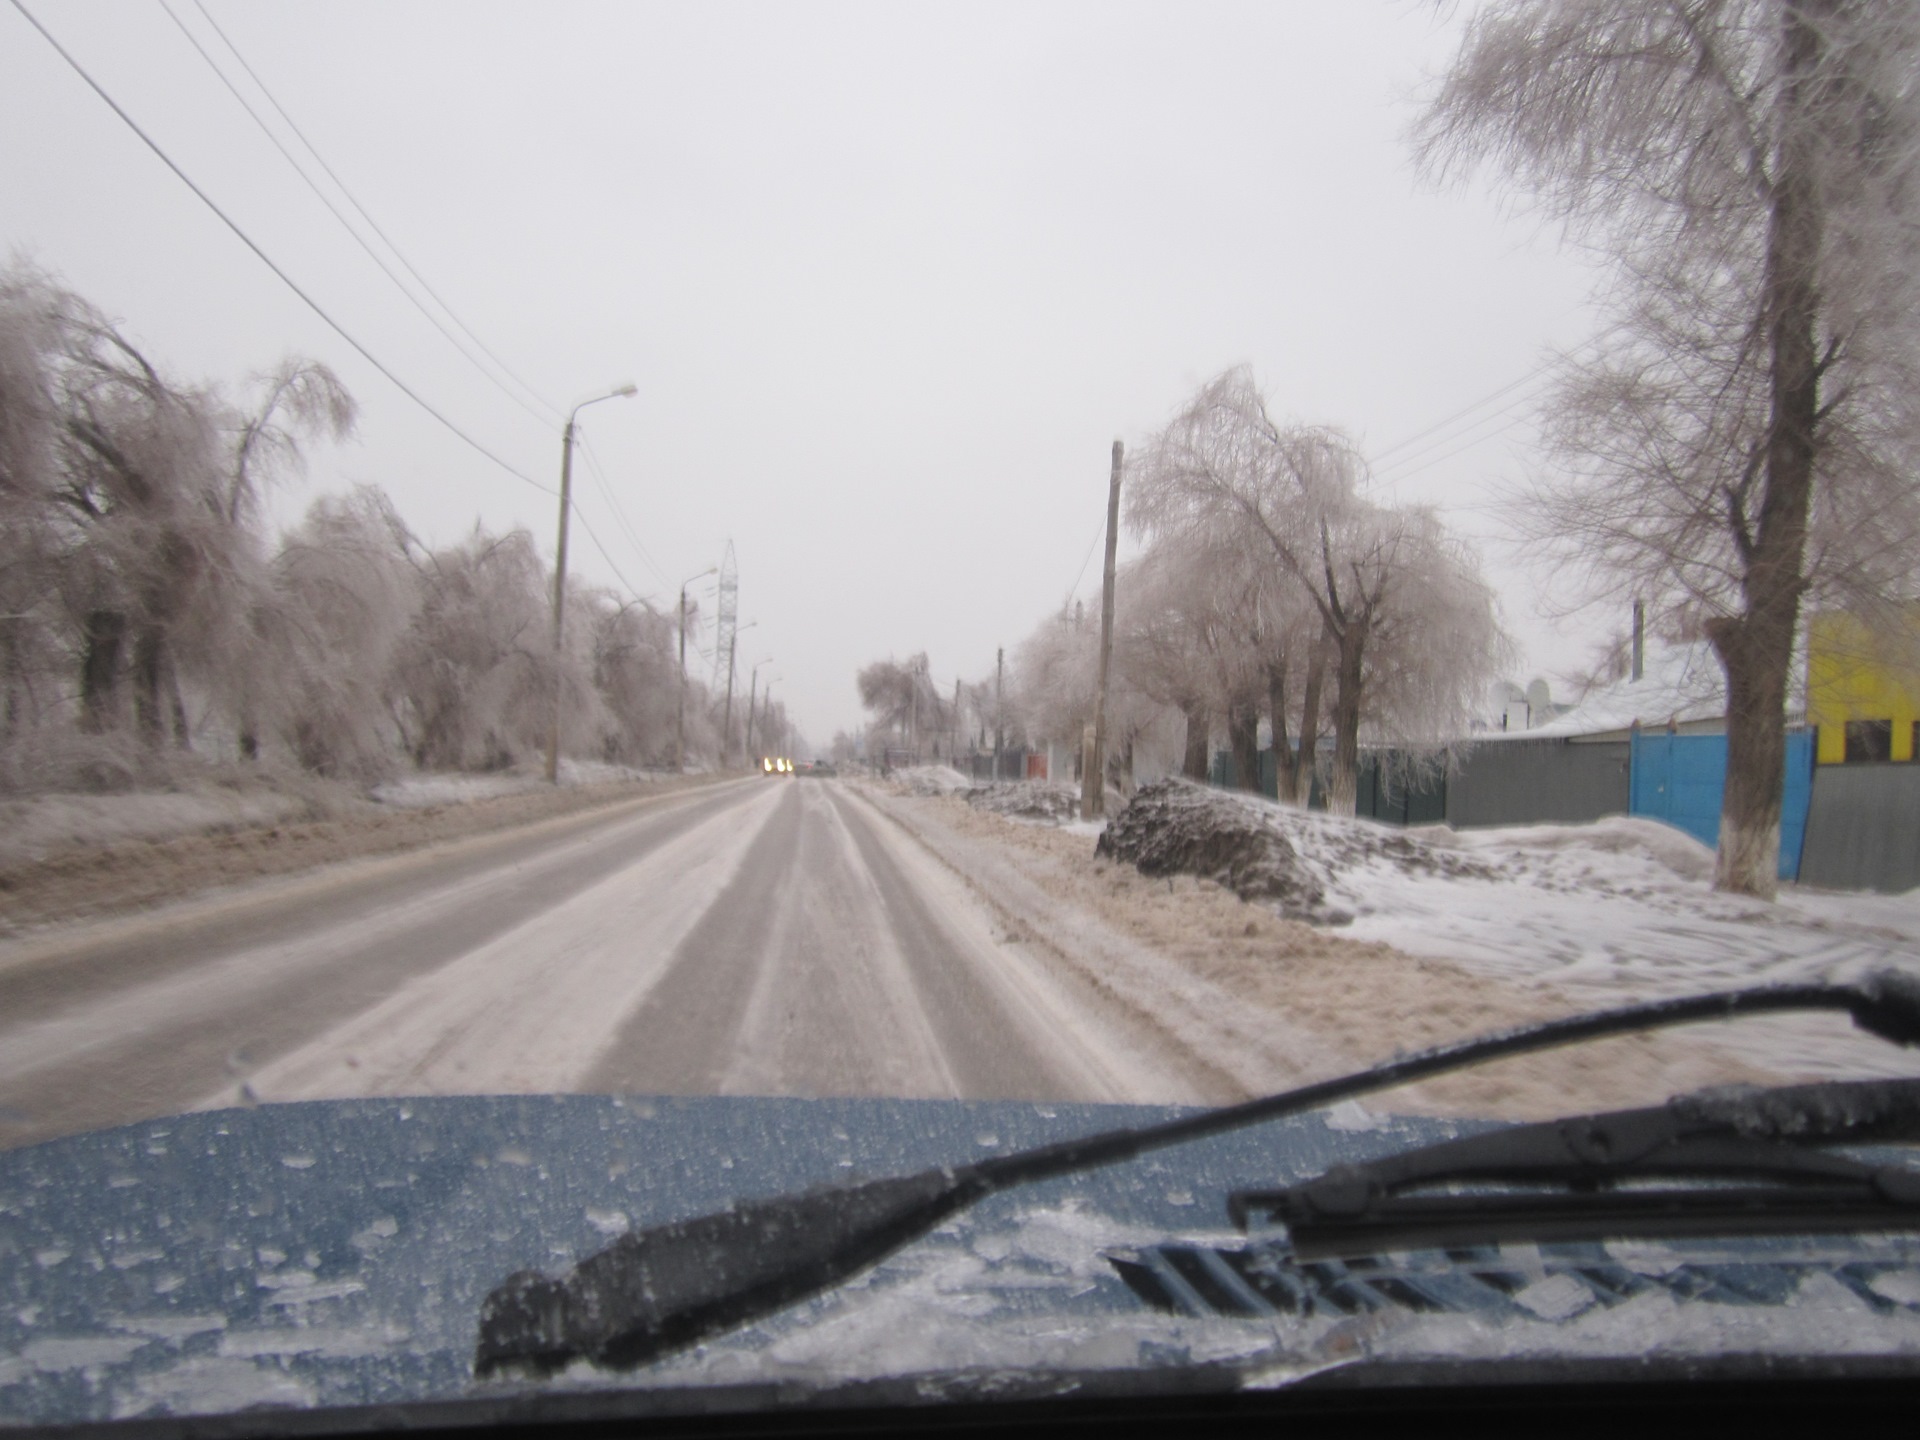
[[890, 278]]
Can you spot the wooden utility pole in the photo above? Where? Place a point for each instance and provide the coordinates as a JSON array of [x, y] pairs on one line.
[[1093, 765], [999, 709]]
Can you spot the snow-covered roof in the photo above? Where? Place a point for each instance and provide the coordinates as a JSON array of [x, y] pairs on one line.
[[1680, 684]]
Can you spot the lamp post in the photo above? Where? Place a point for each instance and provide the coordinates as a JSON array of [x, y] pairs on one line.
[[726, 716], [560, 570], [750, 693], [772, 739], [680, 719]]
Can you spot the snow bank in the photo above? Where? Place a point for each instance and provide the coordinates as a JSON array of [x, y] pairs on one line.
[[1048, 800], [1297, 861], [32, 828], [1620, 909], [932, 780], [420, 792]]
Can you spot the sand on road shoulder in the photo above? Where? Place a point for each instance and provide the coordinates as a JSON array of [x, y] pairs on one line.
[[1328, 1003]]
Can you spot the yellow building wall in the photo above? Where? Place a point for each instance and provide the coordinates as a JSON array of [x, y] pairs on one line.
[[1850, 678]]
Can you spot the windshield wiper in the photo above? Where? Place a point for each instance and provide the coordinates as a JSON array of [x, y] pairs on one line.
[[663, 1288], [1746, 1163]]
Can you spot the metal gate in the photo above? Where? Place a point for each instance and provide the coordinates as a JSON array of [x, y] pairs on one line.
[[1682, 779]]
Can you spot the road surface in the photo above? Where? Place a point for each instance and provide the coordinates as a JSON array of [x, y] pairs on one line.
[[766, 936]]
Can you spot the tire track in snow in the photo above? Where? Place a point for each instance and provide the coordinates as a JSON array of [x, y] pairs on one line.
[[530, 1010]]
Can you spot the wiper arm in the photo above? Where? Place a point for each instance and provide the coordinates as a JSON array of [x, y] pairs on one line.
[[1569, 1176], [663, 1288]]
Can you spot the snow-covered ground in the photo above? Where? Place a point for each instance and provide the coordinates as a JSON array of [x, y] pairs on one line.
[[39, 825], [418, 792], [1617, 909]]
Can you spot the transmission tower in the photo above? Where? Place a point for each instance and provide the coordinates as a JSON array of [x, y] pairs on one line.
[[724, 621]]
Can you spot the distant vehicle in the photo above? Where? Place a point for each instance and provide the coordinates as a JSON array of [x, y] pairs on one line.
[[818, 767], [775, 765]]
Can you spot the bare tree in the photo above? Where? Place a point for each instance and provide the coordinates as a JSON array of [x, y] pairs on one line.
[[1742, 443]]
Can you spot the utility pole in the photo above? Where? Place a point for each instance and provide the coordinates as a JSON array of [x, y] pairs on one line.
[[748, 757], [560, 572], [680, 717], [1093, 766], [999, 708], [726, 716], [726, 719]]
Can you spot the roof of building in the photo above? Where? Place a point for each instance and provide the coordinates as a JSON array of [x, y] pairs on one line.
[[1679, 684]]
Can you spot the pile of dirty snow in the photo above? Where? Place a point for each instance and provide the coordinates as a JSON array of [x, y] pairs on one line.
[[1302, 863], [1617, 910], [1050, 801]]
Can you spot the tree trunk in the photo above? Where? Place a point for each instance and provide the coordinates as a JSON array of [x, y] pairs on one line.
[[1310, 723], [104, 632], [177, 708], [1757, 647], [1283, 759], [149, 662], [1343, 787], [1199, 757], [1243, 739]]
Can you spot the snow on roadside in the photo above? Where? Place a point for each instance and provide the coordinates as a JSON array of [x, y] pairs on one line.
[[932, 780], [36, 826], [418, 792], [1619, 909]]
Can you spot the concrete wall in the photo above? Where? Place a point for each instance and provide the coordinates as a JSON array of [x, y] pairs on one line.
[[1863, 828]]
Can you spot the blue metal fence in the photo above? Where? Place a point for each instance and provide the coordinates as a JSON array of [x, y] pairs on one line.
[[1681, 779]]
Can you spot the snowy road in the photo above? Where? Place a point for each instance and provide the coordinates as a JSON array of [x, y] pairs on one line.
[[758, 937]]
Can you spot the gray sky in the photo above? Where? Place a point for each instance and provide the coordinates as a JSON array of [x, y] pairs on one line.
[[891, 278]]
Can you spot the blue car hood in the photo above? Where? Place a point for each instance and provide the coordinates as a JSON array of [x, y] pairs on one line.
[[334, 1255]]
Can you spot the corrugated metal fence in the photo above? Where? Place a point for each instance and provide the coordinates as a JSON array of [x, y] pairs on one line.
[[1863, 828]]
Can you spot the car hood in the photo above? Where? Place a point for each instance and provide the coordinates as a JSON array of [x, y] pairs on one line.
[[335, 1255]]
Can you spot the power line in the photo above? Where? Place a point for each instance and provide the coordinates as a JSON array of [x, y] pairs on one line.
[[580, 515], [1413, 462], [1485, 400], [266, 259], [359, 239], [620, 518], [386, 239], [1088, 561]]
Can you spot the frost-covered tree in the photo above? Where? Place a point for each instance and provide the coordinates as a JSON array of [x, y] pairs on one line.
[[326, 642], [1226, 476], [901, 697], [1741, 443], [474, 673]]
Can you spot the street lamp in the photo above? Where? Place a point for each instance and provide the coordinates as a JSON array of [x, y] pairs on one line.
[[726, 716], [750, 690], [560, 569], [777, 743], [680, 721]]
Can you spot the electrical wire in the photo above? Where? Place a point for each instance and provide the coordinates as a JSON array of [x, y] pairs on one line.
[[574, 507], [1088, 561], [267, 259], [553, 410], [345, 224], [619, 515], [1391, 457], [1416, 461]]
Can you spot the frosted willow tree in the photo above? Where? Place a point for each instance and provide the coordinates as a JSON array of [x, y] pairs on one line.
[[1225, 471], [1742, 444]]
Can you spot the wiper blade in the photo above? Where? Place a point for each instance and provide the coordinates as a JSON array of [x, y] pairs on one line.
[[1593, 1176], [669, 1286]]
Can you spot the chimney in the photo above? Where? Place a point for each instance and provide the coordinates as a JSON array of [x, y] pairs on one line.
[[1639, 639]]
